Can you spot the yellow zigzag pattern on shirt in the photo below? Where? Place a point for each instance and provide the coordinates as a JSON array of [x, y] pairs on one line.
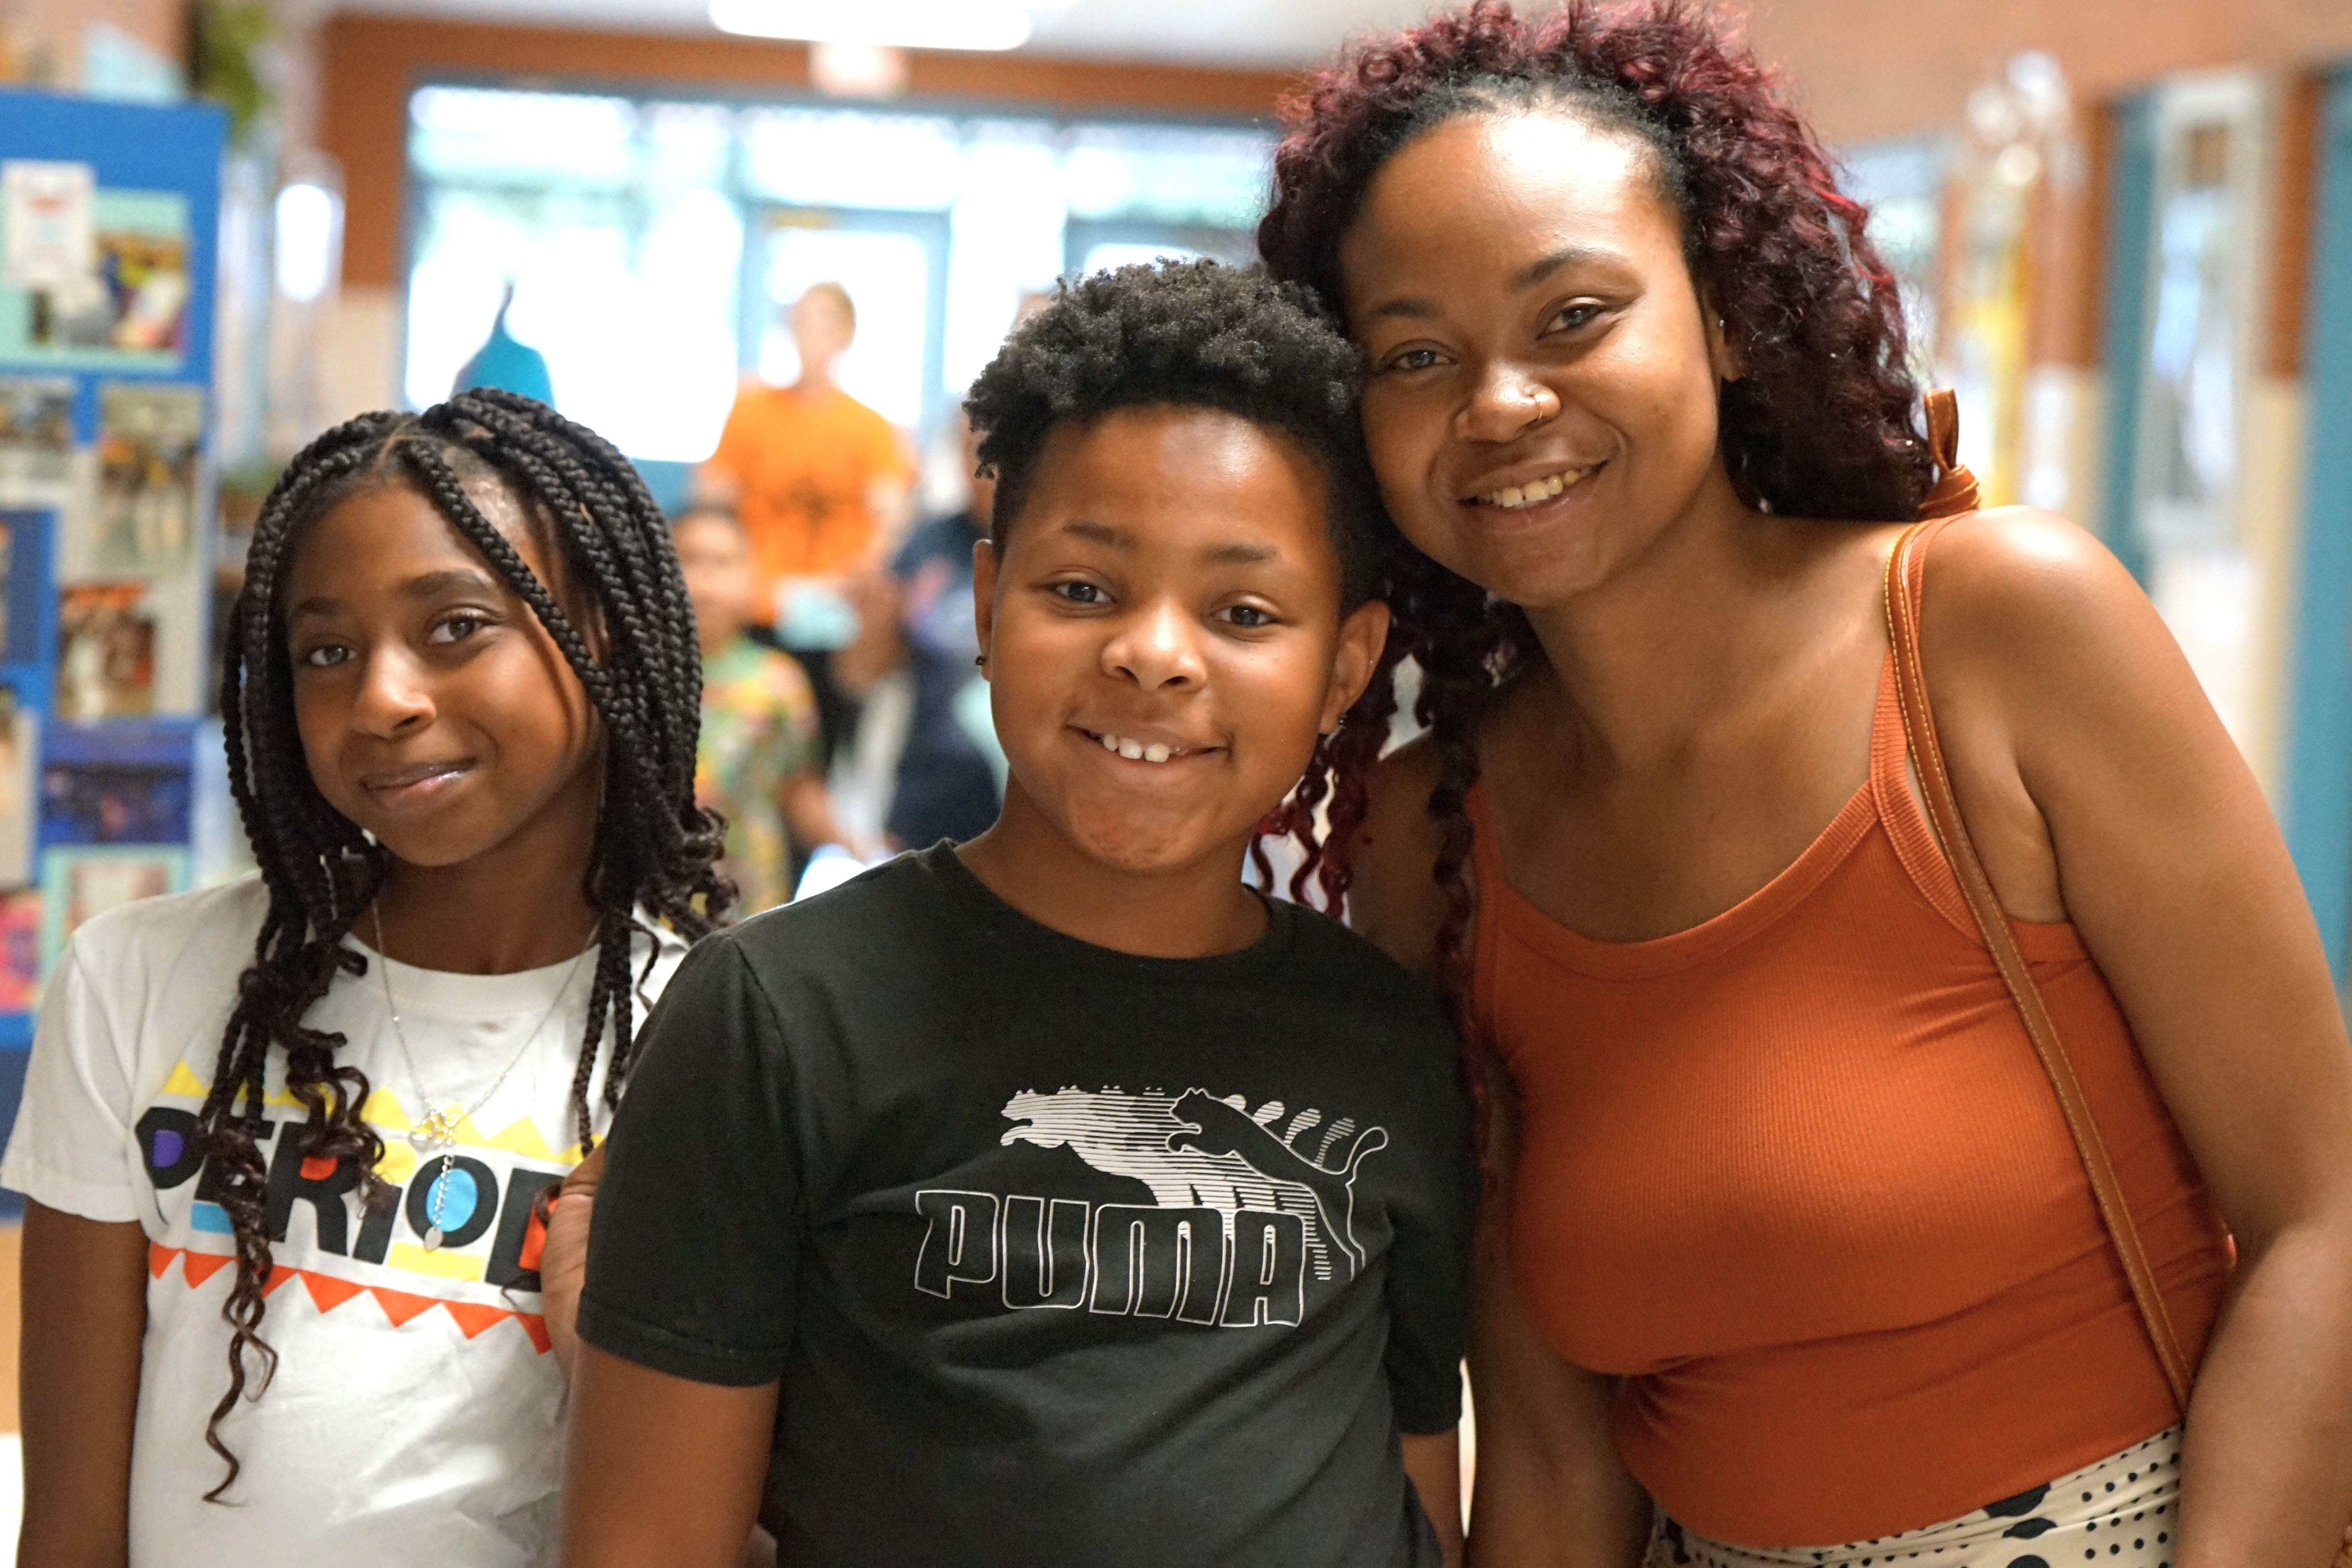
[[384, 1113]]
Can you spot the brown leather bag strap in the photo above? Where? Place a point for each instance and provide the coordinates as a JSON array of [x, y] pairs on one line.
[[1955, 488], [1906, 585]]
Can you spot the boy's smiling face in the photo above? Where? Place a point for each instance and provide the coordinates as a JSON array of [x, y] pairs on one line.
[[1164, 633]]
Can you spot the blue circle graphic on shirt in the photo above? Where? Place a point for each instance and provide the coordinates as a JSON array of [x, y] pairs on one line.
[[167, 1147], [452, 1199]]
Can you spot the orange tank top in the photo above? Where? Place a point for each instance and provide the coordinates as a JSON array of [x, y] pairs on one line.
[[1797, 1178]]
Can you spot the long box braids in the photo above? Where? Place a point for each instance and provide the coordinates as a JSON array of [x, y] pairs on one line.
[[656, 850]]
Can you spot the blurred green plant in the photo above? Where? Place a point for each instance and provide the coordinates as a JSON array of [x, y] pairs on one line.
[[225, 42]]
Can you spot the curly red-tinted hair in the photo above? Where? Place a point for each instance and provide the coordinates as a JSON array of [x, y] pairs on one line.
[[1821, 422]]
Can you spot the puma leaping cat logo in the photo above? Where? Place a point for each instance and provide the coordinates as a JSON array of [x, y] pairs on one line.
[[1219, 1129]]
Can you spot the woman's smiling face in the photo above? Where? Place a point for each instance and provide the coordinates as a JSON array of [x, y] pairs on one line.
[[1543, 375]]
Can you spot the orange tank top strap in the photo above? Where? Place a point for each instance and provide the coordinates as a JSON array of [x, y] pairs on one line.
[[1902, 809], [1953, 496], [1905, 593], [1901, 812]]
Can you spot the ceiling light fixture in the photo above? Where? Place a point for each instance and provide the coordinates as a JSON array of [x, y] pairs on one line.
[[890, 24]]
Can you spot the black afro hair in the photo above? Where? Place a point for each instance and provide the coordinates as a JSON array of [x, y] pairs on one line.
[[1187, 334]]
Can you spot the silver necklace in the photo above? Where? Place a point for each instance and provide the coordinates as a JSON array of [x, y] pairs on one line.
[[438, 1129]]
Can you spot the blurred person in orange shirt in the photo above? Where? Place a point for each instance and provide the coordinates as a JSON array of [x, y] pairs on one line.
[[818, 478]]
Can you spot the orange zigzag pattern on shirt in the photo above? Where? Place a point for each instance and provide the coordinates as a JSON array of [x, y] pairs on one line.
[[327, 1292]]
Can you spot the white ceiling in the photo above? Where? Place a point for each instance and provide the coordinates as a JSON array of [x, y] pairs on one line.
[[1223, 32]]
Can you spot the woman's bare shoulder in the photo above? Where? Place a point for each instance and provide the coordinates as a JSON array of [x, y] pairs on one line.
[[2032, 617], [2015, 579]]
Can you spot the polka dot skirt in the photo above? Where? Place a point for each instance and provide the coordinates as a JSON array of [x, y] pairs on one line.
[[2117, 1514]]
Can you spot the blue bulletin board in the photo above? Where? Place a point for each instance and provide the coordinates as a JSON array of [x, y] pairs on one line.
[[108, 247], [27, 644]]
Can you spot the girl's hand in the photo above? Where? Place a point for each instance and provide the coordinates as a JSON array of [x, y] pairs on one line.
[[563, 1259]]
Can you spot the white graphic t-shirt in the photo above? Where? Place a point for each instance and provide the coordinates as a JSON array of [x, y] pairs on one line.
[[416, 1417]]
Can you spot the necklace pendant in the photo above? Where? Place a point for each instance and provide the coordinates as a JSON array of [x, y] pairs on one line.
[[437, 1131], [433, 1238]]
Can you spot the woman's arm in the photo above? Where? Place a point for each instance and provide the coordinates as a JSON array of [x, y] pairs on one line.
[[2097, 779], [1549, 1489], [84, 1289], [659, 1470]]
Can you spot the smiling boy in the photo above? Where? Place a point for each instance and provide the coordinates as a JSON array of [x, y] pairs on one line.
[[1057, 1198]]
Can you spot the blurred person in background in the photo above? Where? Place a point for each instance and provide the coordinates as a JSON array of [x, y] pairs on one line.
[[760, 761], [818, 479], [910, 768], [934, 566]]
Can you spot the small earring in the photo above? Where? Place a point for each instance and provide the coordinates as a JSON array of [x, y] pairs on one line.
[[979, 660]]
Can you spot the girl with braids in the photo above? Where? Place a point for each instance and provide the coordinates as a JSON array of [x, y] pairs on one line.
[[1080, 1205], [287, 1141], [1794, 1244]]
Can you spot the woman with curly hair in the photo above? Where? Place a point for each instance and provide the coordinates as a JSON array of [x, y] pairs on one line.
[[1797, 1245]]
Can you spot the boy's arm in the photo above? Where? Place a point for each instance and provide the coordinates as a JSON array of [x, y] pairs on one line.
[[660, 1472], [684, 1316], [1433, 1462], [1428, 1264]]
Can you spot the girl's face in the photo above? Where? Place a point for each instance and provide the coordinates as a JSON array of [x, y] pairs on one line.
[[436, 711], [1164, 636], [1542, 401], [717, 561]]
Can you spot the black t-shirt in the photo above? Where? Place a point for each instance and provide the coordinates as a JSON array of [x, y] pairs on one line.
[[1061, 1255]]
